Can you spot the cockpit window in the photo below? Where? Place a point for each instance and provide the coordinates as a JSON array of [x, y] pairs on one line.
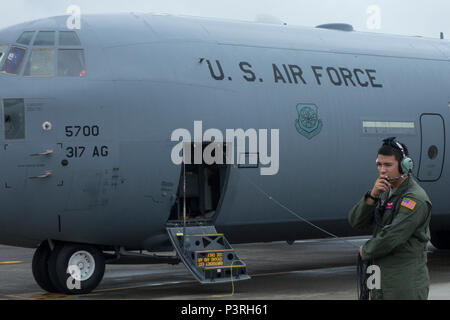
[[45, 38], [2, 53], [69, 38], [14, 60], [14, 118], [41, 63], [25, 38], [71, 63]]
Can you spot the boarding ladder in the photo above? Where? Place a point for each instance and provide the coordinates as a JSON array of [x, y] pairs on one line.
[[207, 254]]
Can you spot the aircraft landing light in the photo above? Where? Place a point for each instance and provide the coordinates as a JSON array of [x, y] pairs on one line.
[[10, 262]]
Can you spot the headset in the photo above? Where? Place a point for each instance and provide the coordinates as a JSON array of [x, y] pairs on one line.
[[406, 164]]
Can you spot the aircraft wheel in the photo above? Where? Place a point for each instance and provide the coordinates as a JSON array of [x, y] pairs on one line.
[[76, 268], [440, 240], [40, 268]]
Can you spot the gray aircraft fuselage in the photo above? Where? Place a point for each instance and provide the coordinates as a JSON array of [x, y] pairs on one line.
[[110, 180]]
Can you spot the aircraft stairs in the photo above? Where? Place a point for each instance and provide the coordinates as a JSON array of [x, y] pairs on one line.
[[206, 253]]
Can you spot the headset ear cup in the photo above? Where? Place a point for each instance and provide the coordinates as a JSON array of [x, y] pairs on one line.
[[407, 165]]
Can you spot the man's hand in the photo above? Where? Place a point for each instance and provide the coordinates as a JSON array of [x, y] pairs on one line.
[[381, 185], [360, 251]]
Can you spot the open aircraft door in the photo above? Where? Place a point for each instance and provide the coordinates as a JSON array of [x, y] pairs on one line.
[[432, 152]]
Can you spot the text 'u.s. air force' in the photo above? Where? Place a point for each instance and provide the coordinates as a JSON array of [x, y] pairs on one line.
[[292, 74]]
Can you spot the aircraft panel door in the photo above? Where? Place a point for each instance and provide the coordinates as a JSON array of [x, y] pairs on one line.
[[46, 176], [432, 147], [12, 178], [29, 157]]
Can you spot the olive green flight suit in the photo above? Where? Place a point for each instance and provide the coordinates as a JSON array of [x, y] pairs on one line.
[[401, 232]]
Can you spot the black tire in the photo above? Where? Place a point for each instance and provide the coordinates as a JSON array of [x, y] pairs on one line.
[[40, 268], [59, 267]]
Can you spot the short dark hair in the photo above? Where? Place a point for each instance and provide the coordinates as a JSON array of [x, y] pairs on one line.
[[389, 150]]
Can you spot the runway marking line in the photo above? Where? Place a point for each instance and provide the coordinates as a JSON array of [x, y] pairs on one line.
[[38, 296], [50, 296], [17, 297], [141, 286], [272, 274]]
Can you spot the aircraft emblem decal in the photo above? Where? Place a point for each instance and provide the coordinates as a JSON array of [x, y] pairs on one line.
[[308, 123]]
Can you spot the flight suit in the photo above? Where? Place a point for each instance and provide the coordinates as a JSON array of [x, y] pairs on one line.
[[400, 226]]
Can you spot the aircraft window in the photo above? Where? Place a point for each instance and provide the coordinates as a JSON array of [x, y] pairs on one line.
[[41, 63], [25, 38], [69, 38], [14, 118], [2, 53], [71, 63], [14, 60], [45, 38], [432, 152]]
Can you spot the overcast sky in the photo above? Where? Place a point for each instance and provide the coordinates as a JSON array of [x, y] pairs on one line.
[[407, 17]]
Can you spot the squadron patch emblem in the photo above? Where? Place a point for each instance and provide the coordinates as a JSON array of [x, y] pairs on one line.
[[389, 205], [308, 123], [409, 204]]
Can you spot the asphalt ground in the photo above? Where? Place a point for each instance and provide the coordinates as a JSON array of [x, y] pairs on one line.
[[307, 270]]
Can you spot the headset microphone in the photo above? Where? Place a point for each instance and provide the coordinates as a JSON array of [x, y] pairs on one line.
[[396, 178]]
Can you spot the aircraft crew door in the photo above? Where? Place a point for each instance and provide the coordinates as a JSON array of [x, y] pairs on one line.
[[13, 176], [432, 152], [47, 173], [32, 164]]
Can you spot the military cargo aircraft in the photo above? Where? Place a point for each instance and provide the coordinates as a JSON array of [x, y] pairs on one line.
[[87, 143]]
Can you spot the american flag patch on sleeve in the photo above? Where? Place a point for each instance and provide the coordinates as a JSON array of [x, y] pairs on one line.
[[408, 203]]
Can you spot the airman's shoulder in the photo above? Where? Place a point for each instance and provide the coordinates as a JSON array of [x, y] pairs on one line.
[[416, 193]]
